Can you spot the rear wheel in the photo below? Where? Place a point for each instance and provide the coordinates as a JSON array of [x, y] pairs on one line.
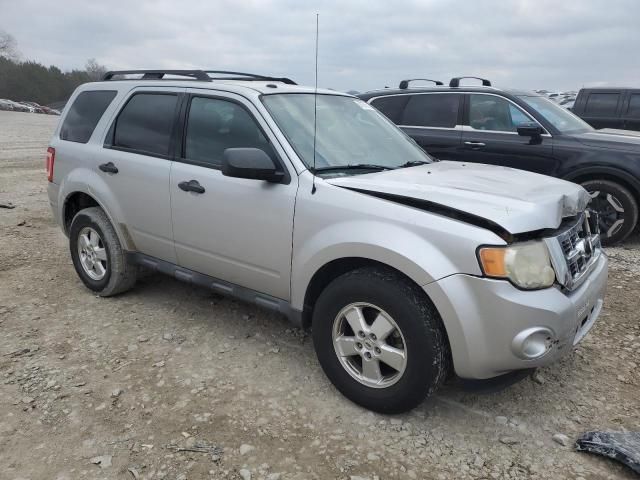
[[97, 254], [380, 340], [617, 209]]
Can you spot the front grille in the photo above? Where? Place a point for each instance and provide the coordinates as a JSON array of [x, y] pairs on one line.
[[575, 250]]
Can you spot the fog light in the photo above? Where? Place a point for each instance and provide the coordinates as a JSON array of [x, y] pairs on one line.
[[532, 343]]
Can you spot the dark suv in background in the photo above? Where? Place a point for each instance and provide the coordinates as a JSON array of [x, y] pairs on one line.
[[524, 130], [609, 107]]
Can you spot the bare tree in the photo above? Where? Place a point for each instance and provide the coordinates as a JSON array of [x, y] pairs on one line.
[[94, 69], [8, 46]]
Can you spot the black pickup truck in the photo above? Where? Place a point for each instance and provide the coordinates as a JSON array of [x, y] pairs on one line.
[[523, 130], [609, 107]]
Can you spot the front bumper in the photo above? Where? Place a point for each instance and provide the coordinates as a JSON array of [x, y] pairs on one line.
[[488, 320]]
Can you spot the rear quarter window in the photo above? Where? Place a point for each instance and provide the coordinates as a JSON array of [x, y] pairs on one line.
[[84, 115]]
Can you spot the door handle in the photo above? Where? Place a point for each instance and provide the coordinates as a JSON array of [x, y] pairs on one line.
[[108, 167], [191, 186], [475, 144]]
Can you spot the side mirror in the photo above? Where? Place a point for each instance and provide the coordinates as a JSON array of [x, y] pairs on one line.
[[250, 163], [530, 130]]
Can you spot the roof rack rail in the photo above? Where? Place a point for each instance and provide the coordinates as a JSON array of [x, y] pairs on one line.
[[248, 76], [158, 74], [455, 82], [404, 84], [200, 75]]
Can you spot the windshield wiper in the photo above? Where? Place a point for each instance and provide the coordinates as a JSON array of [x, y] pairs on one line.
[[356, 166], [413, 163]]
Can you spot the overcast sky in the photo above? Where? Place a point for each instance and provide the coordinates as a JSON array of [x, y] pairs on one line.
[[363, 44]]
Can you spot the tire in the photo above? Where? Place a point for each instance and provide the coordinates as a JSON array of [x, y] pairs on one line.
[[418, 333], [616, 207], [106, 271]]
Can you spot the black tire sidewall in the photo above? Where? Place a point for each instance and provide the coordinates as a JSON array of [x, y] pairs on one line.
[[628, 203], [415, 317], [80, 221]]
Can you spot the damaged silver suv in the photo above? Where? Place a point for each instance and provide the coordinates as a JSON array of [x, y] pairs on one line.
[[313, 204]]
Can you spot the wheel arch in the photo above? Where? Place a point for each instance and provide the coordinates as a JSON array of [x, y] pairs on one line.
[[73, 203], [331, 270], [78, 199], [607, 173]]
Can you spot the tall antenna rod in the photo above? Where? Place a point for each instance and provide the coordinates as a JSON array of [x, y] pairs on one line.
[[315, 112]]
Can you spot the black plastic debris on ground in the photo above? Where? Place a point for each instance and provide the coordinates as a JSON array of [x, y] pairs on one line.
[[621, 446]]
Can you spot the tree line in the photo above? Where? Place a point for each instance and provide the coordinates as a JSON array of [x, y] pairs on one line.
[[34, 82]]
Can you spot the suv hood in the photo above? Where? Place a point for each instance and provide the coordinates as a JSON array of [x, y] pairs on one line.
[[516, 200], [611, 139]]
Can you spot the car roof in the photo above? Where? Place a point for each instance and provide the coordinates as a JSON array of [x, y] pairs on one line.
[[609, 89], [444, 89], [250, 88]]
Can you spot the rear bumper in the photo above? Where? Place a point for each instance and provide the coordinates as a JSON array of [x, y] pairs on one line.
[[495, 328]]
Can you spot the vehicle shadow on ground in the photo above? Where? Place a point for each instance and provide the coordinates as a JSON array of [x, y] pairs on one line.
[[235, 318]]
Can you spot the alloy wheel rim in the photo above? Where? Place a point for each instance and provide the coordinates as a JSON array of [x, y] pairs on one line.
[[92, 253], [610, 212], [369, 345]]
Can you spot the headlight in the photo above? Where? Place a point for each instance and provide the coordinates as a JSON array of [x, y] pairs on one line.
[[526, 265]]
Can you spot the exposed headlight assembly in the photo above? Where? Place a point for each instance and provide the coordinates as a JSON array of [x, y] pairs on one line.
[[527, 265]]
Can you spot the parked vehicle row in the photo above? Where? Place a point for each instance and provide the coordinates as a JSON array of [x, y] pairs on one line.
[[312, 203], [604, 107], [617, 108], [524, 130], [565, 99], [30, 107]]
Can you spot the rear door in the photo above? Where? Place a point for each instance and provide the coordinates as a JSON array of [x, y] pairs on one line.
[[490, 136], [233, 229], [136, 162], [603, 108], [432, 119], [631, 113]]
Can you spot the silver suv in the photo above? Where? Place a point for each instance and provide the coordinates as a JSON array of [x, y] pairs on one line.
[[315, 205]]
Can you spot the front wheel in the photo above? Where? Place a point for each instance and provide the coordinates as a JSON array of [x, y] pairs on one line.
[[380, 340], [617, 209]]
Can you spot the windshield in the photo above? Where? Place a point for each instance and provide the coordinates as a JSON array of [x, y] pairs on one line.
[[349, 133], [559, 117]]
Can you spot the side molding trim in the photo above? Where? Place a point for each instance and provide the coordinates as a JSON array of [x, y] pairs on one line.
[[219, 286]]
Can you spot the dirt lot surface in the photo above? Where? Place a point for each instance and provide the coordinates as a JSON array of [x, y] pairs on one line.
[[119, 387]]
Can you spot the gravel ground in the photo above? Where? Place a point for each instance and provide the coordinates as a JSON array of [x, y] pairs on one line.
[[171, 381]]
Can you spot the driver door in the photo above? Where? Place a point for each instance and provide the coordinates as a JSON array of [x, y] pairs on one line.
[[490, 136]]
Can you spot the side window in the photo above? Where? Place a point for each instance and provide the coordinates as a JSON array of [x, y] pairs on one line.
[[432, 110], [517, 116], [634, 105], [392, 107], [213, 125], [145, 123], [489, 112], [602, 104], [84, 115]]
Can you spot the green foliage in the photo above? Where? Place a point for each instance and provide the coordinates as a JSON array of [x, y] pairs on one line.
[[33, 82]]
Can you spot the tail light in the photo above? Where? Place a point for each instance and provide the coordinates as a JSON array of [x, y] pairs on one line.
[[51, 156]]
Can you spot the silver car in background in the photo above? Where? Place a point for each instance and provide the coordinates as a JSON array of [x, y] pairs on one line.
[[6, 105], [313, 204]]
